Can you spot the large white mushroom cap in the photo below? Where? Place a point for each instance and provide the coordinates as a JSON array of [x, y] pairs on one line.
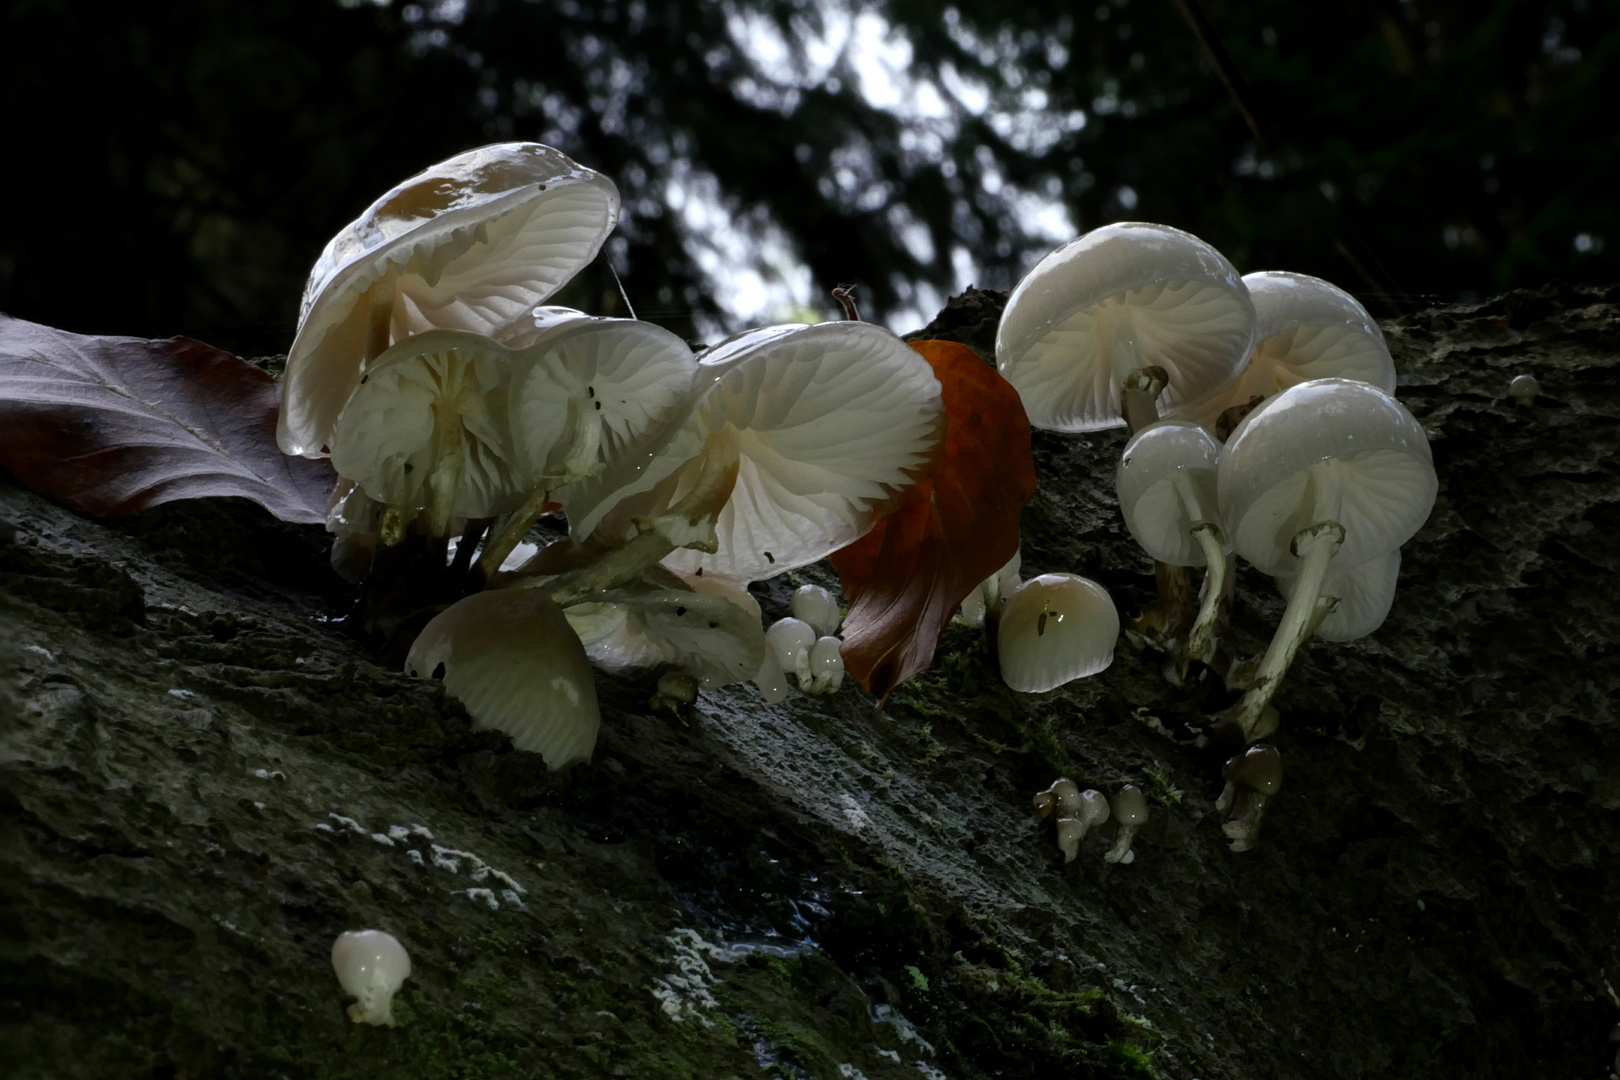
[[1117, 299], [1055, 628], [1365, 591], [472, 243], [604, 383], [830, 422], [509, 656], [1166, 485], [434, 394], [1325, 450], [1305, 328]]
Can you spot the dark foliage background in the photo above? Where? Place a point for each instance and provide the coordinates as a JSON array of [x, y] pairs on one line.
[[175, 168]]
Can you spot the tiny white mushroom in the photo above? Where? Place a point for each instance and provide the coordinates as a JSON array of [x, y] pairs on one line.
[[510, 657], [1092, 318], [371, 966], [1062, 798], [1524, 389], [817, 607], [1071, 830], [983, 605], [1131, 811], [826, 666], [791, 641], [1054, 628]]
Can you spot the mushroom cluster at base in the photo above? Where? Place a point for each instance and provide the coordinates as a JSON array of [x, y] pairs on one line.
[[1074, 813], [805, 643]]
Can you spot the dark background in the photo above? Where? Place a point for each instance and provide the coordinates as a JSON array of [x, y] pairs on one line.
[[175, 168]]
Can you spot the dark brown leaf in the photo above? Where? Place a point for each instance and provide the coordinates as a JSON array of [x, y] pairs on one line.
[[112, 425], [952, 529]]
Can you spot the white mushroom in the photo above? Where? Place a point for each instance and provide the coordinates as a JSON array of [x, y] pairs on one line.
[[828, 424], [472, 243], [817, 607], [371, 966], [983, 605], [1091, 811], [1305, 328], [1331, 468], [510, 657], [826, 666], [1054, 628], [1166, 487], [1354, 600], [1131, 811], [791, 641], [1085, 329], [706, 634], [426, 431]]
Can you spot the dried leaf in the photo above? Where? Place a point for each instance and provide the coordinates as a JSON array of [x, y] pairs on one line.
[[952, 529], [112, 425]]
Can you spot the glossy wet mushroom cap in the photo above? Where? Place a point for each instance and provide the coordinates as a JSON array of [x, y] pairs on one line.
[[371, 966], [1118, 299], [1054, 628], [1166, 485], [472, 243]]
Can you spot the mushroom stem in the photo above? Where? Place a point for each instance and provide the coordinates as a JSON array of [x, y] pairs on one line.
[[1208, 535], [448, 464], [1139, 395], [689, 523], [1315, 546], [515, 528]]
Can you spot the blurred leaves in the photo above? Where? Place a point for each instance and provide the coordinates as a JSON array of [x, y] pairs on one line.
[[956, 526]]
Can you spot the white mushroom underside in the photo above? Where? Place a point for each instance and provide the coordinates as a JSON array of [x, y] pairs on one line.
[[1290, 357], [511, 659], [453, 272], [1365, 594], [1067, 376], [386, 436], [708, 634], [1374, 505]]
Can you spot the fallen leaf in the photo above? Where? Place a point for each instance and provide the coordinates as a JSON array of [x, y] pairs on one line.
[[952, 529], [112, 425]]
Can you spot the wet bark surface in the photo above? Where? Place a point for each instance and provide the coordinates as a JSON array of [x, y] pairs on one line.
[[205, 781]]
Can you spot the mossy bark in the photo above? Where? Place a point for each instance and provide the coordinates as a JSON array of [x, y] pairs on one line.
[[205, 782]]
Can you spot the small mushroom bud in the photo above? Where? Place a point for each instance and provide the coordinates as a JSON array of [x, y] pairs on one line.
[[1131, 808], [1071, 831], [1252, 778], [816, 606], [371, 966], [1523, 390], [1063, 796], [791, 640], [675, 688], [826, 667]]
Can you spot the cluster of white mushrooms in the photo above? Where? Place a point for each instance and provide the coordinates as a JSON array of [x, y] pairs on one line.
[[458, 409], [1282, 440], [1074, 813]]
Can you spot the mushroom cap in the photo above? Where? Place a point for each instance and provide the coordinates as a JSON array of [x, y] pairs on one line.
[[371, 965], [1056, 627], [385, 437], [827, 663], [472, 243], [1177, 298], [1259, 767], [832, 421], [1093, 807], [791, 641], [1130, 806], [511, 659], [1366, 592], [623, 376], [707, 634], [817, 607], [1155, 511], [1280, 469], [1305, 328]]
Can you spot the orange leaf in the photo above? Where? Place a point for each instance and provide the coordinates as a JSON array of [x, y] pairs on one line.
[[952, 529]]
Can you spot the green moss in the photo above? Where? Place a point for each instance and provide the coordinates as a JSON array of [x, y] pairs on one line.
[[1163, 789], [1132, 1059], [918, 979]]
